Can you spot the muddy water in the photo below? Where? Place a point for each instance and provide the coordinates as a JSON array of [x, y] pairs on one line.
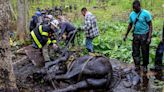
[[150, 82]]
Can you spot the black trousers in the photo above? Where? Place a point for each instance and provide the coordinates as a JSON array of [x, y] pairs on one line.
[[140, 49], [159, 54]]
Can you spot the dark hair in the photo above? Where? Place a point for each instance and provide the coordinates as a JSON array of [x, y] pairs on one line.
[[84, 9], [136, 2]]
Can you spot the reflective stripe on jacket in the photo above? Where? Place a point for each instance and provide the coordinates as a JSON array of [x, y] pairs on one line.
[[41, 36]]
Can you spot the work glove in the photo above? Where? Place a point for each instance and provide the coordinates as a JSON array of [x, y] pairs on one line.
[[64, 37], [148, 41]]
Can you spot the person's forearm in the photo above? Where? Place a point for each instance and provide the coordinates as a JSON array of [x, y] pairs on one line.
[[150, 30], [128, 30], [62, 32], [87, 24], [86, 27]]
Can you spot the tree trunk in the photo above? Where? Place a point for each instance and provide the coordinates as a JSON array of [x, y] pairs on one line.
[[12, 10], [88, 1], [7, 78], [26, 14], [21, 23]]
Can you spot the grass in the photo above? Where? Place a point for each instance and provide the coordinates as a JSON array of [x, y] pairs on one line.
[[112, 24]]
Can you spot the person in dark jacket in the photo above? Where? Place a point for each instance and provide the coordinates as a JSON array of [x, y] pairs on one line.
[[68, 30], [42, 37], [35, 20]]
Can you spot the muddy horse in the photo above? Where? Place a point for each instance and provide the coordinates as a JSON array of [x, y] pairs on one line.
[[86, 72]]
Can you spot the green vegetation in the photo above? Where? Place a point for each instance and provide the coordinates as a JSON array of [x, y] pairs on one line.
[[112, 22]]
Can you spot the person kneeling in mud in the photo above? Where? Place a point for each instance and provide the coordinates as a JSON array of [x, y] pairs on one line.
[[42, 37]]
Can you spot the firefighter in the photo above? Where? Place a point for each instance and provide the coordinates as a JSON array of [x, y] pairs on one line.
[[42, 37]]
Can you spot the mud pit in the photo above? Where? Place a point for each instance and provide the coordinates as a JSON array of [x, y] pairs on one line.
[[24, 70]]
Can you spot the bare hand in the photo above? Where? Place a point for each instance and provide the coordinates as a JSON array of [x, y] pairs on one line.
[[124, 39], [148, 41], [64, 37]]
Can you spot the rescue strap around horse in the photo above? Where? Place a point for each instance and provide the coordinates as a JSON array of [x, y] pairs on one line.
[[86, 62], [70, 61]]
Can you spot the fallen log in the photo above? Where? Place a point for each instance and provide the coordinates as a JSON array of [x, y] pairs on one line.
[[22, 62]]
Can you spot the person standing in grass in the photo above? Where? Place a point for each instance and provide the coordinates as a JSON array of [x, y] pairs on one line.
[[141, 20], [90, 27]]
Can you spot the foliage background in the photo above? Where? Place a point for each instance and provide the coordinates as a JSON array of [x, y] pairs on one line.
[[112, 17]]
